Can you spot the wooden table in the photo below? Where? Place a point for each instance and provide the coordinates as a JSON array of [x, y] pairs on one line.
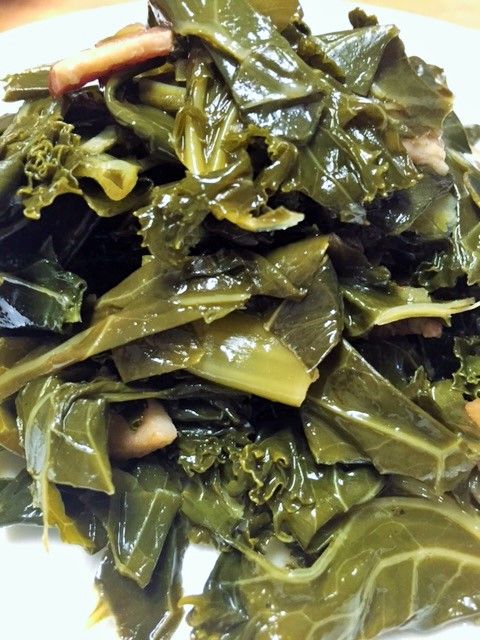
[[14, 13]]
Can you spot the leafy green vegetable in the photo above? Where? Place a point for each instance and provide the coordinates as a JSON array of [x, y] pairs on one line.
[[16, 502], [354, 156], [199, 233], [360, 586], [415, 96], [460, 257], [152, 612], [377, 419], [368, 307], [302, 496], [65, 437], [312, 327], [152, 125], [467, 377], [344, 47], [262, 364], [162, 353], [17, 506], [44, 148], [42, 296], [138, 518], [266, 70]]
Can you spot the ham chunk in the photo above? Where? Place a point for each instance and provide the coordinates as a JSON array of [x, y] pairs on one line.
[[156, 431], [427, 150], [473, 411], [131, 46], [426, 327]]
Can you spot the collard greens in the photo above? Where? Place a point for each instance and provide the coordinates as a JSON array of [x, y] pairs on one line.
[[239, 305]]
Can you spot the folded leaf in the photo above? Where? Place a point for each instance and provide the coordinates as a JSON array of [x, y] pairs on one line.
[[343, 48], [152, 612], [369, 412], [312, 327], [152, 125], [138, 518], [352, 158], [65, 438], [42, 296], [263, 366], [411, 92], [302, 496], [361, 586], [368, 307], [54, 159]]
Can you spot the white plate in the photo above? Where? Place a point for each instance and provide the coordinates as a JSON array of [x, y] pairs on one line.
[[49, 596]]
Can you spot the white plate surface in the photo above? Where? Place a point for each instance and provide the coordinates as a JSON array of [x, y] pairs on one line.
[[49, 596]]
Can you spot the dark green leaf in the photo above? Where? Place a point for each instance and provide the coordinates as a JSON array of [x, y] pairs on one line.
[[257, 63], [312, 327], [152, 612], [138, 518], [64, 432], [380, 422], [302, 496], [16, 502], [42, 296], [361, 586], [416, 99], [349, 162], [357, 53]]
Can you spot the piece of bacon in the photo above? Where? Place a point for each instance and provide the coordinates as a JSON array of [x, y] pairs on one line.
[[130, 46]]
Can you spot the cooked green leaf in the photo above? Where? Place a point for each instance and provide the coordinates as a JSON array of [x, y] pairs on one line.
[[42, 296], [312, 327], [361, 586], [161, 353], [152, 125], [153, 612], [369, 307], [344, 47], [16, 502], [65, 437], [380, 422], [138, 518], [263, 365], [354, 156], [301, 495]]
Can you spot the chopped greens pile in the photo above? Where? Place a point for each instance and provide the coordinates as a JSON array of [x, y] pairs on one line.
[[238, 306]]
